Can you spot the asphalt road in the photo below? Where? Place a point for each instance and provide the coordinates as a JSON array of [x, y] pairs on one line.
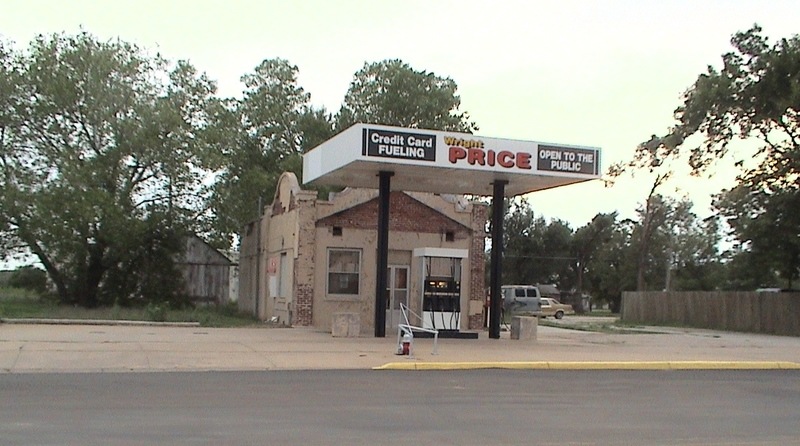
[[478, 407]]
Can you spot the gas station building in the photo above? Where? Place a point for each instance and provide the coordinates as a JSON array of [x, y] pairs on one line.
[[402, 230], [317, 258]]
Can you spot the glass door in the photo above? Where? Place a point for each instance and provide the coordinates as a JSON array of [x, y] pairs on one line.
[[396, 293]]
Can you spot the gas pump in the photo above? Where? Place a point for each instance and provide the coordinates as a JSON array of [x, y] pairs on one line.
[[441, 303], [441, 288]]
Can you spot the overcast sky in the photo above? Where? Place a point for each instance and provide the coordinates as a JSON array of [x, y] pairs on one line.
[[597, 73]]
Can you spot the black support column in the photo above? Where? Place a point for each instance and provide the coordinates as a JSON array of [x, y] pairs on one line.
[[383, 253], [496, 271]]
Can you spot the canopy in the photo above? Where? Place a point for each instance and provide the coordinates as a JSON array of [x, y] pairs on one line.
[[446, 162]]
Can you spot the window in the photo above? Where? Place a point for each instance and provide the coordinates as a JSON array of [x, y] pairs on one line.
[[344, 266], [284, 277]]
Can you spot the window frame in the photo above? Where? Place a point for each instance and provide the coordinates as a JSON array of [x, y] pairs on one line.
[[329, 271]]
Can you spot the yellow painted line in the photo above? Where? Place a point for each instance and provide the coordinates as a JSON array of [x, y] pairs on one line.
[[735, 365], [595, 365]]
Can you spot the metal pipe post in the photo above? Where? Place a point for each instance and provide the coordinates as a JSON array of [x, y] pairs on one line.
[[496, 270], [383, 253]]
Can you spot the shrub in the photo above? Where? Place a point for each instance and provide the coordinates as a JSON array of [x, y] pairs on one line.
[[157, 312], [29, 278]]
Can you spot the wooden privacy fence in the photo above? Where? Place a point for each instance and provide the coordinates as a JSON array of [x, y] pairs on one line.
[[770, 313]]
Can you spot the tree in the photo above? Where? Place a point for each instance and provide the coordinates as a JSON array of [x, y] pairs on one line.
[[612, 268], [744, 271], [519, 226], [652, 217], [29, 278], [768, 225], [96, 138], [670, 241], [535, 250], [392, 93], [587, 241], [753, 97], [693, 250], [557, 255], [267, 132]]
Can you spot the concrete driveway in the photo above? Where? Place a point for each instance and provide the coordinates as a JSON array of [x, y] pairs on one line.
[[28, 348]]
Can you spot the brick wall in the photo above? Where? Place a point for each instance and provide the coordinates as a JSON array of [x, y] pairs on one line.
[[477, 264], [304, 304], [406, 215], [304, 263]]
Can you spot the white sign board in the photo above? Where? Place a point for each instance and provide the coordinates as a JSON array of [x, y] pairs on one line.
[[446, 162]]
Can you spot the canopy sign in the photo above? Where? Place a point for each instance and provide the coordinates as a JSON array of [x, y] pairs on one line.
[[446, 162], [567, 159]]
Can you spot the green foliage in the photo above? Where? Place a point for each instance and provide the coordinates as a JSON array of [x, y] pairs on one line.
[[606, 257], [18, 303], [156, 312], [534, 250], [767, 224], [4, 277], [646, 239], [29, 278], [666, 246], [390, 92], [612, 268], [556, 245], [586, 244], [95, 139], [146, 271], [264, 134], [753, 97], [518, 228]]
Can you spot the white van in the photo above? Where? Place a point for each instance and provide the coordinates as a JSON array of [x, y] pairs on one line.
[[521, 299]]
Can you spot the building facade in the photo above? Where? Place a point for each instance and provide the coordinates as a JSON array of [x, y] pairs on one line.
[[306, 259]]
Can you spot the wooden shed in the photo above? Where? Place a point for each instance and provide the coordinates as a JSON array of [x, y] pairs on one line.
[[206, 272]]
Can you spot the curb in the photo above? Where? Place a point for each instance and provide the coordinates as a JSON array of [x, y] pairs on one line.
[[96, 322], [596, 365]]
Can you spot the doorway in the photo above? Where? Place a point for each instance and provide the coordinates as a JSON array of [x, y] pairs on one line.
[[396, 294]]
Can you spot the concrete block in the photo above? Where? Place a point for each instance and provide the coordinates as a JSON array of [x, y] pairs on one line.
[[524, 327], [346, 325]]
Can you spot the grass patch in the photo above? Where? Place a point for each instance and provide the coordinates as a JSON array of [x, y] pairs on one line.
[[601, 313], [16, 303]]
